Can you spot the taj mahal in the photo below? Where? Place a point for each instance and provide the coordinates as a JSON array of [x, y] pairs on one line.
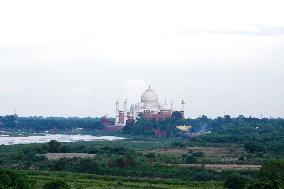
[[149, 107]]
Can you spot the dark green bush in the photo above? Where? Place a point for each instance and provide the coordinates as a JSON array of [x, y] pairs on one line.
[[56, 184], [235, 182]]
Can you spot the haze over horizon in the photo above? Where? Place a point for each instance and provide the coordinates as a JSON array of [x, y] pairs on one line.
[[71, 58]]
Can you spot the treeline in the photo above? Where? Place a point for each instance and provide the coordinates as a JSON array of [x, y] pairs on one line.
[[257, 135], [39, 124], [148, 127]]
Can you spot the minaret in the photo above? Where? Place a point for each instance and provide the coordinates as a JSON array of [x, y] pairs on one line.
[[132, 110], [182, 108], [182, 105], [117, 113], [125, 111]]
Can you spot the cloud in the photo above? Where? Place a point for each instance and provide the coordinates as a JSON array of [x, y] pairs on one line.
[[76, 92], [8, 89], [240, 30], [132, 89], [22, 51]]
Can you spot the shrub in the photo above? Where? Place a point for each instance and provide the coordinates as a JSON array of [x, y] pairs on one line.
[[235, 182], [177, 144], [273, 170], [189, 158], [263, 184], [57, 184], [150, 155], [13, 179]]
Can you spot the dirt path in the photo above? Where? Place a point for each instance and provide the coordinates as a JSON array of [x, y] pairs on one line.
[[55, 156], [220, 166]]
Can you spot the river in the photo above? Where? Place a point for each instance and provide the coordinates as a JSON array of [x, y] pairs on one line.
[[11, 140]]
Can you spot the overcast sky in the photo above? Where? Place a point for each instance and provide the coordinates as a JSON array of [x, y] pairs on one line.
[[75, 58]]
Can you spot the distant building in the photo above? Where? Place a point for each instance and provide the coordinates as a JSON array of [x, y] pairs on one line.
[[184, 128], [106, 122], [149, 107], [109, 125]]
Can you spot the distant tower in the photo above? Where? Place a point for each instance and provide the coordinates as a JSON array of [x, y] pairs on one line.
[[117, 113], [182, 105], [132, 110], [182, 108], [125, 111]]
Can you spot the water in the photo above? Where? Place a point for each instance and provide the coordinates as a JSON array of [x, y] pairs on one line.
[[11, 140]]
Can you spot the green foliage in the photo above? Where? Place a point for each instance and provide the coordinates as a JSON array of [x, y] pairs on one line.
[[257, 135], [189, 158], [144, 157], [123, 162], [273, 171], [253, 148], [270, 176], [176, 115], [147, 127], [235, 182], [178, 144], [39, 124], [150, 155], [57, 184], [13, 179], [53, 146], [88, 165], [23, 182], [263, 184], [92, 181]]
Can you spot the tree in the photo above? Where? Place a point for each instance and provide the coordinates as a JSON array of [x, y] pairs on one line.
[[88, 165], [23, 182], [273, 170], [176, 115], [53, 146], [235, 182], [263, 184], [188, 158], [271, 176], [56, 184], [252, 148], [13, 179]]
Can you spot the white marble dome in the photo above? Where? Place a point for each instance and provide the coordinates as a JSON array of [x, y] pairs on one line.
[[149, 96], [150, 100]]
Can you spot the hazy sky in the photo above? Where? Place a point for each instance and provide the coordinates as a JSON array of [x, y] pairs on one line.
[[75, 58]]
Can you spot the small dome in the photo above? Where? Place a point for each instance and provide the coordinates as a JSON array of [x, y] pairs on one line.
[[149, 96]]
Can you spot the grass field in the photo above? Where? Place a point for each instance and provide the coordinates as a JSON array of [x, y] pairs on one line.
[[90, 181]]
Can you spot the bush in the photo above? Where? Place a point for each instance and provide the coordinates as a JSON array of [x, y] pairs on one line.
[[57, 184], [150, 155], [263, 184], [54, 146], [235, 182], [13, 179], [253, 148], [177, 144], [189, 158], [273, 170]]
